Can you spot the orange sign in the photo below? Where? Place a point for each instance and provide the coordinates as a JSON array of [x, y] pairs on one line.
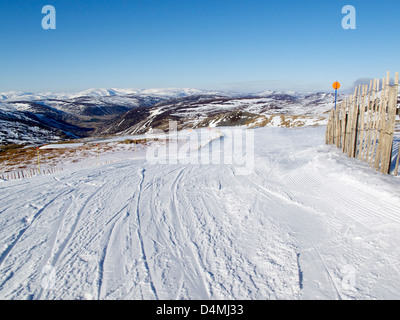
[[336, 85]]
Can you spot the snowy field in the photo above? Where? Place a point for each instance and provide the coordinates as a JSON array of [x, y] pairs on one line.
[[303, 222]]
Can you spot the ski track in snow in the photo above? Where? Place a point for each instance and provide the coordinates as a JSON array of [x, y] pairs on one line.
[[142, 248], [308, 223]]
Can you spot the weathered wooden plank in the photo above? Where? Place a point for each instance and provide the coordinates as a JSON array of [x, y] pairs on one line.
[[332, 128], [328, 129], [350, 122], [389, 131], [348, 125], [361, 126], [354, 124], [337, 128], [375, 126], [372, 107], [396, 168], [381, 123], [366, 119], [368, 123], [392, 106], [343, 123], [385, 129]]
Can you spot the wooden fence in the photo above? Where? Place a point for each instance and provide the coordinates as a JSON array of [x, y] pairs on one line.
[[28, 173], [363, 125]]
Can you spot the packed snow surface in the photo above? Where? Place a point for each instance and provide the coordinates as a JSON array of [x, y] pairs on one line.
[[305, 223]]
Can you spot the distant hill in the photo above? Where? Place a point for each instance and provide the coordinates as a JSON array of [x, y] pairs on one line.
[[27, 117]]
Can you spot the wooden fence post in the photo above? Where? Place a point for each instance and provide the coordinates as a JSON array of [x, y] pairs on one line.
[[389, 130], [372, 120], [382, 121], [396, 86], [327, 129], [360, 139], [354, 124], [332, 128], [348, 124], [343, 123], [375, 124], [368, 122], [385, 128], [337, 132]]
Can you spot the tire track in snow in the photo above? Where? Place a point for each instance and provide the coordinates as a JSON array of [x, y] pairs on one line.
[[187, 251], [53, 239], [116, 219], [100, 271], [11, 247], [68, 238], [332, 281], [160, 231], [52, 259], [139, 234], [174, 266], [104, 223], [243, 253], [284, 197]]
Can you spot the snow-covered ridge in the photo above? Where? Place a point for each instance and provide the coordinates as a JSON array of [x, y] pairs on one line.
[[300, 109], [164, 92], [109, 92], [127, 111]]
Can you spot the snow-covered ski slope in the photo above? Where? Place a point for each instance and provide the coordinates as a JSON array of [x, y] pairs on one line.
[[306, 223]]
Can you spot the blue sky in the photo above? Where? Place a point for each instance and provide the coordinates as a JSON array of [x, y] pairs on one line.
[[246, 45]]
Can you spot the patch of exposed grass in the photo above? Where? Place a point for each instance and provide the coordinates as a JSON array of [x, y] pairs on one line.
[[18, 157], [10, 147]]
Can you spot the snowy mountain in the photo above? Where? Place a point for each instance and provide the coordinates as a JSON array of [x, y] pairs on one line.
[[98, 102], [31, 122], [219, 110], [25, 116], [29, 117], [166, 93]]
